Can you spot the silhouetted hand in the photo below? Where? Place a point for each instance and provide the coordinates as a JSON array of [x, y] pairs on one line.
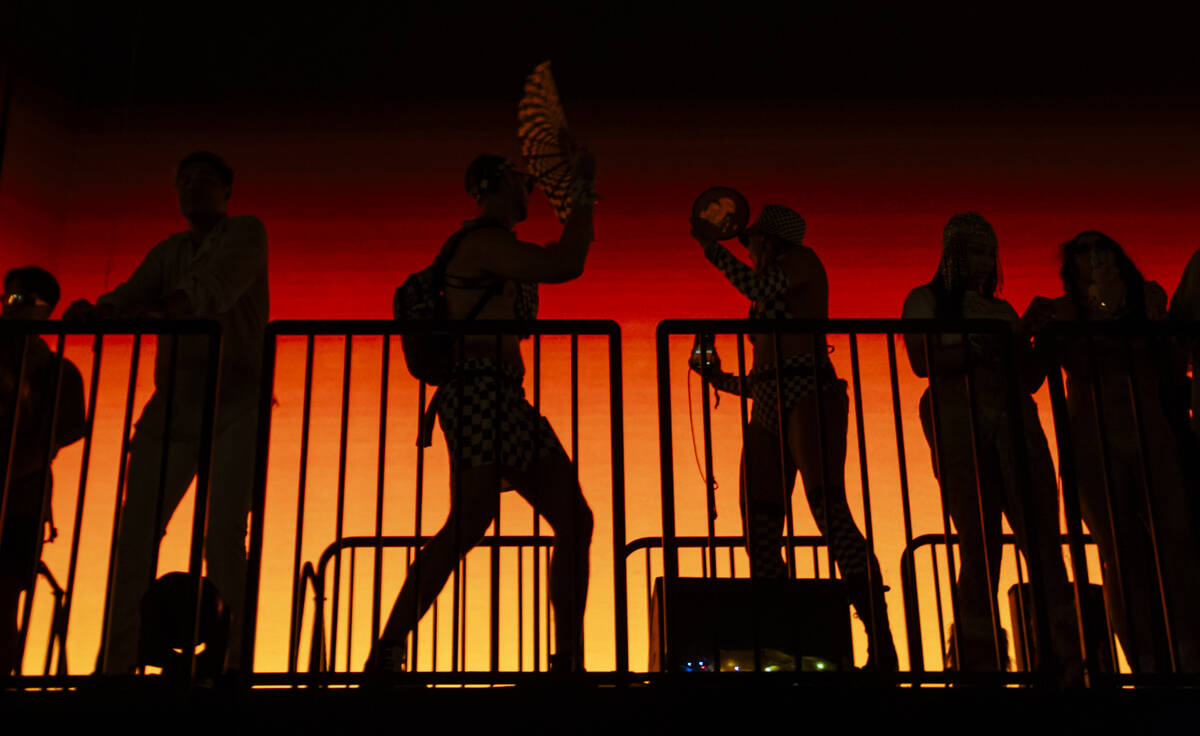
[[81, 310], [584, 165], [704, 232], [1040, 312]]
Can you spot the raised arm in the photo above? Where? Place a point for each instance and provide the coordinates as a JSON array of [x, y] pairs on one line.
[[498, 252]]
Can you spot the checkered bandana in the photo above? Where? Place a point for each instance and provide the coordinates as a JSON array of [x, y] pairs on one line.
[[782, 222]]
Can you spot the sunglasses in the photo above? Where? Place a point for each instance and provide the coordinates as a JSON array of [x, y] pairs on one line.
[[17, 299]]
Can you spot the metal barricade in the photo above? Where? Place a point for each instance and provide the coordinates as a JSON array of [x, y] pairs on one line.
[[1128, 454], [368, 481], [771, 336], [44, 401]]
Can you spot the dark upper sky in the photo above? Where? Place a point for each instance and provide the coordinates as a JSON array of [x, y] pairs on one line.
[[348, 49]]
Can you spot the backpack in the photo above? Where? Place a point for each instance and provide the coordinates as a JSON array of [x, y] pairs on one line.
[[422, 297]]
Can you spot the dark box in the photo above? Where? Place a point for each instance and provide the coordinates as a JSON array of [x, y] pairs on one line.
[[715, 624]]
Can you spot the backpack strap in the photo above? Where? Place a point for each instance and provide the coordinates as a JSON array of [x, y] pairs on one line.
[[447, 252]]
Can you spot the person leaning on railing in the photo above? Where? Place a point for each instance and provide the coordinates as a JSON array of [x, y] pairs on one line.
[[964, 286], [217, 270], [30, 293], [1102, 285], [789, 281]]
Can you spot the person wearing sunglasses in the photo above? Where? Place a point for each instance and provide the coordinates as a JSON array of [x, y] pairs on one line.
[[494, 276], [30, 293]]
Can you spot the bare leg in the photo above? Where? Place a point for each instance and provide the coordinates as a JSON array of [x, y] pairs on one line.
[[472, 510], [553, 490], [764, 496], [818, 449]]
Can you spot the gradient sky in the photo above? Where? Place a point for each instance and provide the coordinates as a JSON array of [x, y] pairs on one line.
[[349, 141]]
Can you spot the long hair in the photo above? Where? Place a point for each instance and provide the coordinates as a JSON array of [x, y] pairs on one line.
[[949, 282], [1094, 240]]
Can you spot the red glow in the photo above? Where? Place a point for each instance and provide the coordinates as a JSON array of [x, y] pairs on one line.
[[353, 204]]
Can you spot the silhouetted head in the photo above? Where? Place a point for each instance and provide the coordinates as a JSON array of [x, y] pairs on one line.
[[500, 190], [1093, 263], [204, 184], [777, 229], [29, 293], [970, 255]]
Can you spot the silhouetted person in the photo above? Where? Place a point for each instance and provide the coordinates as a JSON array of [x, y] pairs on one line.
[[1182, 393], [30, 293], [216, 269], [789, 281], [964, 287], [484, 403], [1102, 284]]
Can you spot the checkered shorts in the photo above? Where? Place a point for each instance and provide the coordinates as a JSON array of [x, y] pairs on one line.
[[474, 409], [798, 381]]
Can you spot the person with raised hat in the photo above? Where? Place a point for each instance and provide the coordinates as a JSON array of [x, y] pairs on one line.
[[788, 281]]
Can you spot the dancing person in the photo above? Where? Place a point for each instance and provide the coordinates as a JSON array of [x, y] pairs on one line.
[[1126, 458], [44, 400], [788, 281], [497, 441], [968, 447], [217, 270]]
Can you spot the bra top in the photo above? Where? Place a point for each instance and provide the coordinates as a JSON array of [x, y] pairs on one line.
[[770, 309], [525, 307]]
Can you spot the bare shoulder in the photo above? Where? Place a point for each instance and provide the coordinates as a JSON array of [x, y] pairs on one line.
[[246, 224], [474, 251]]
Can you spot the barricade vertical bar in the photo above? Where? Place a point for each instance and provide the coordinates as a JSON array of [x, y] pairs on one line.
[[122, 467], [1135, 404], [709, 560], [743, 389], [973, 424], [666, 465], [14, 428], [1022, 606], [912, 623], [339, 523], [377, 567], [164, 457], [456, 499], [617, 428], [77, 524], [785, 482], [494, 562], [537, 550], [820, 340], [937, 597], [856, 375], [1072, 513], [1106, 466], [416, 571], [350, 607], [301, 494], [1047, 657], [576, 636], [208, 428], [258, 505], [939, 454]]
